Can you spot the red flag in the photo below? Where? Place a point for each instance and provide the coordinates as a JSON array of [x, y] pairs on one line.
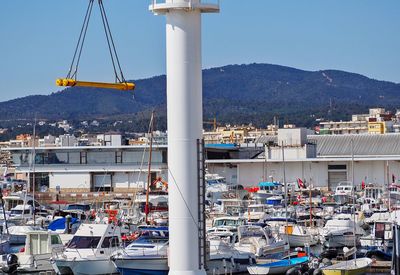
[[363, 185], [300, 183]]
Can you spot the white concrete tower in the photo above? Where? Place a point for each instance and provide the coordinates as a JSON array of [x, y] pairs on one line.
[[185, 116]]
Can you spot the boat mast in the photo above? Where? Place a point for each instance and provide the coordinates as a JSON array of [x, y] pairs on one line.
[[310, 193], [33, 170], [4, 213], [354, 200], [387, 186], [31, 167], [146, 208], [286, 195]]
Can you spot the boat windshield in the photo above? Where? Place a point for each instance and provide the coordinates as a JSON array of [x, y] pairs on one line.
[[256, 209], [228, 223], [84, 242], [110, 242], [81, 207], [147, 240], [19, 212], [11, 203], [251, 232]]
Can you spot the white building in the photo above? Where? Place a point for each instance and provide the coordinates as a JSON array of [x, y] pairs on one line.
[[322, 160], [90, 168]]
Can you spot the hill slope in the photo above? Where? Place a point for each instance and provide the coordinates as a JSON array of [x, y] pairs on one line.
[[234, 94]]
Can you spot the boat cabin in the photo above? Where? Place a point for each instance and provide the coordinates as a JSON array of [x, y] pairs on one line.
[[229, 222], [374, 192], [96, 239], [344, 188]]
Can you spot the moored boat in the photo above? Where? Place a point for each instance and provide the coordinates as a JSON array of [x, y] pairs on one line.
[[89, 251], [35, 256], [276, 267], [351, 267], [297, 235]]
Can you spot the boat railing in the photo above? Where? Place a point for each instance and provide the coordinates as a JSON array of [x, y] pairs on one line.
[[144, 250]]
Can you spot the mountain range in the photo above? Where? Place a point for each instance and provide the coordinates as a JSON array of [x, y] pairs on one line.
[[235, 94]]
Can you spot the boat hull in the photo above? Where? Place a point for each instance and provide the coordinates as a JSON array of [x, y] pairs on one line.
[[37, 263], [142, 266], [127, 271], [159, 266], [352, 267], [84, 267], [301, 240], [345, 272], [334, 241], [278, 267], [268, 270]]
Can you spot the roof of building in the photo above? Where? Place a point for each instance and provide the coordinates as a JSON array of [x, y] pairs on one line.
[[267, 139], [363, 144]]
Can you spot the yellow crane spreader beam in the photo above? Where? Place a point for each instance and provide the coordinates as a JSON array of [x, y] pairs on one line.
[[67, 82]]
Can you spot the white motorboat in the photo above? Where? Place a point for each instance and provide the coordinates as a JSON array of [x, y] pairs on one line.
[[18, 198], [267, 189], [229, 222], [394, 192], [225, 259], [146, 255], [21, 214], [351, 267], [339, 232], [35, 256], [343, 192], [149, 255], [255, 212], [257, 240], [215, 188], [158, 200], [372, 194], [17, 233], [298, 236], [89, 251], [381, 235]]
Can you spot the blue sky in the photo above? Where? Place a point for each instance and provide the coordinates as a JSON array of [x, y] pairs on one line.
[[38, 38]]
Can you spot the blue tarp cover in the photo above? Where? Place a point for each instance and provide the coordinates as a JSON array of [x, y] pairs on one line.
[[293, 261], [60, 224], [268, 184], [221, 145]]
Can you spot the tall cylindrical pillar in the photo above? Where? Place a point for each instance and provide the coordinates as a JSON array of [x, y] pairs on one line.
[[184, 109]]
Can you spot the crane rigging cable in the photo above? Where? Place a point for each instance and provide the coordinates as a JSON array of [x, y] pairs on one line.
[[71, 78]]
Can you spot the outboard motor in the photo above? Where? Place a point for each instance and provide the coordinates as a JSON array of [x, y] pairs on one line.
[[12, 264]]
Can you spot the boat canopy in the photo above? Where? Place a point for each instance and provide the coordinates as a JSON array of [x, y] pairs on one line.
[[60, 223], [268, 184]]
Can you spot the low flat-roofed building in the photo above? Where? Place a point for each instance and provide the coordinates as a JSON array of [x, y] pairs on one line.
[[90, 168], [376, 160]]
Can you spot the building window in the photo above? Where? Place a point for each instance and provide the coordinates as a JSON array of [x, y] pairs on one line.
[[118, 157], [83, 157], [100, 157]]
